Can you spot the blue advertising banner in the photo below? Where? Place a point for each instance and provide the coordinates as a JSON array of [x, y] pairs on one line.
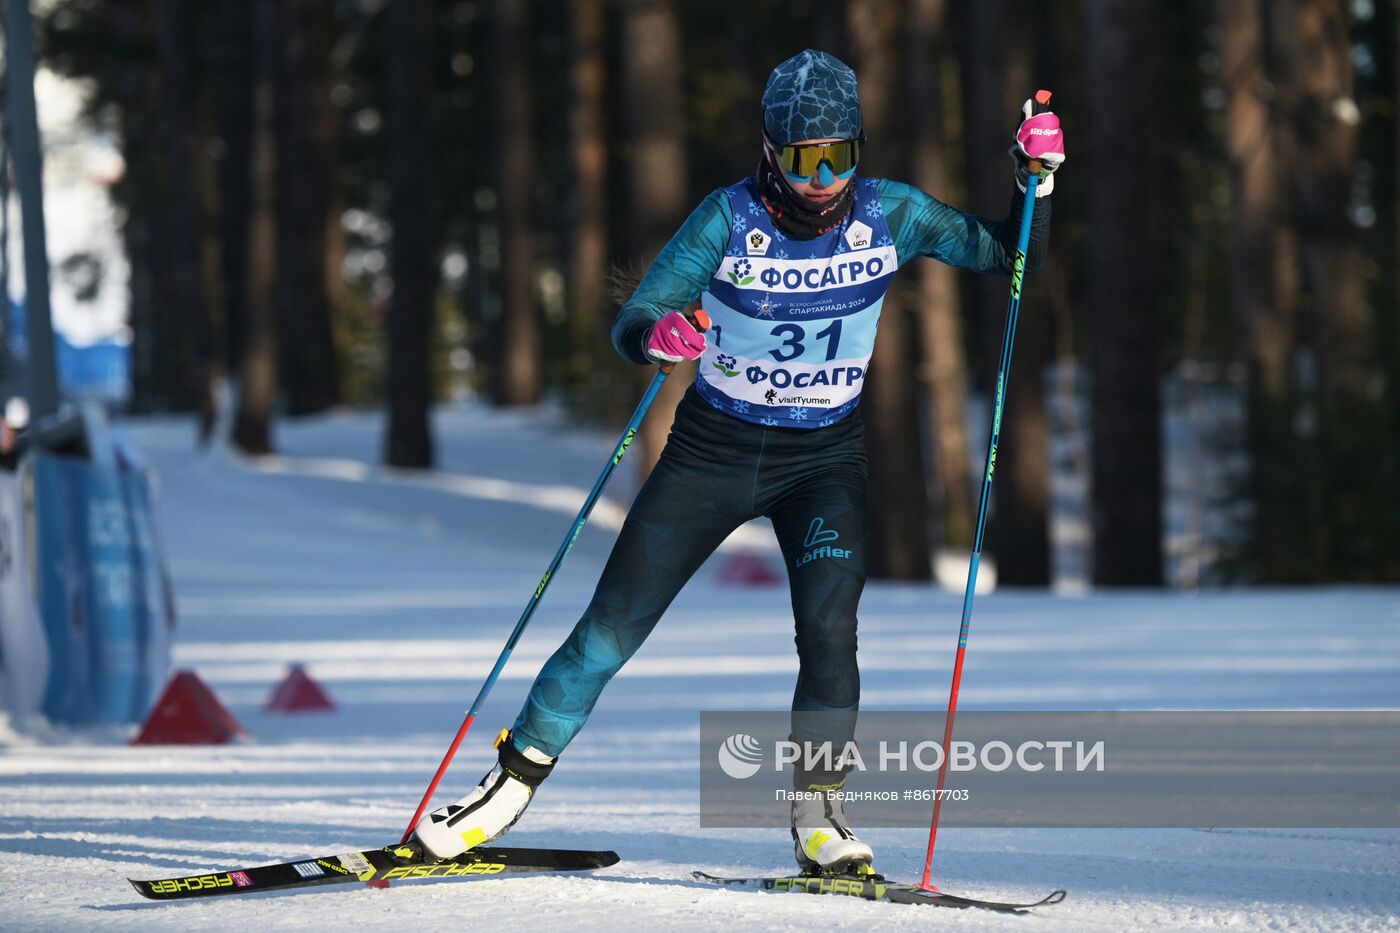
[[108, 637], [151, 596]]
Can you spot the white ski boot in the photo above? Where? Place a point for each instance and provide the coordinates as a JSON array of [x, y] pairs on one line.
[[822, 842], [491, 808]]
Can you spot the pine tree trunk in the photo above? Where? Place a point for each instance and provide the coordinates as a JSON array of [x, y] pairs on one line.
[[944, 364], [327, 136], [988, 110], [656, 173], [1252, 133], [211, 265], [327, 143], [1124, 68], [412, 262], [154, 349], [1351, 405], [233, 119], [1263, 278], [588, 243], [519, 365], [252, 429], [1331, 243], [307, 349], [181, 214], [899, 508], [1393, 349]]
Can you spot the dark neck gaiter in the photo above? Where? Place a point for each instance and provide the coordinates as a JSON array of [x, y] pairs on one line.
[[793, 214]]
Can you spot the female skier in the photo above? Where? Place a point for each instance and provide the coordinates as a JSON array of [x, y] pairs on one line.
[[791, 265]]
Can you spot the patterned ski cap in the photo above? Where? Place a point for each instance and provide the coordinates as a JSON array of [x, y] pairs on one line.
[[811, 96]]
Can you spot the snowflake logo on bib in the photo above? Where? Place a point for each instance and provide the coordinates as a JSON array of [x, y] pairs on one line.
[[765, 307]]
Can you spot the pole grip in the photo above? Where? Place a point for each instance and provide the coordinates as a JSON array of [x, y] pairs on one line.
[[1040, 103], [700, 321]]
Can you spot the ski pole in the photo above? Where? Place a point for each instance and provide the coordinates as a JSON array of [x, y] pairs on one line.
[[1008, 340], [701, 320]]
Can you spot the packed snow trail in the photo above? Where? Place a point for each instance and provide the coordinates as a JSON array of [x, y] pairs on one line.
[[396, 591]]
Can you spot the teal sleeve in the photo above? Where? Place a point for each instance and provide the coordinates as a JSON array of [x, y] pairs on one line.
[[680, 272], [922, 225]]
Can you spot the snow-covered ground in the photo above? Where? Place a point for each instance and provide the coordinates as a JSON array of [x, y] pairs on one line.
[[397, 592]]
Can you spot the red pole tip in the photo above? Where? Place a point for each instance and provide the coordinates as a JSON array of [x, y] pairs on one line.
[[1042, 97], [702, 320]]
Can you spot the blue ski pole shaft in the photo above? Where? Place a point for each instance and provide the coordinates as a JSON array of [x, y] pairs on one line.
[[702, 322], [1008, 341]]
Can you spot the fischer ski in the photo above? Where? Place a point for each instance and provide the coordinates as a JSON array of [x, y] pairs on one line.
[[873, 887], [393, 863]]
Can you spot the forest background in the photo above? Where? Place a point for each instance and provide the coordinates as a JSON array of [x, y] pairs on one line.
[[401, 202]]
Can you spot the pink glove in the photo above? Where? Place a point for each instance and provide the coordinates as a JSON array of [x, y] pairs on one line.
[[1038, 137], [673, 339]]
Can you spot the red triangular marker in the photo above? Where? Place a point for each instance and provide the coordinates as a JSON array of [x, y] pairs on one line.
[[188, 713], [748, 569], [298, 693]]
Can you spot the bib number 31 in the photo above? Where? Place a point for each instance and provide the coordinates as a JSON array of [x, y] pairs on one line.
[[793, 336]]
